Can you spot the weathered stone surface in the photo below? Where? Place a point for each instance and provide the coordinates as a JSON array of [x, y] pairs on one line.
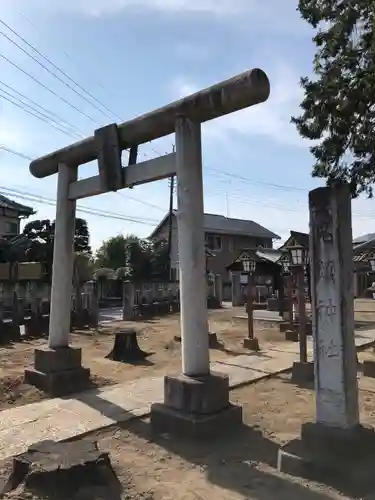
[[165, 419], [331, 264], [49, 360], [62, 383], [50, 468], [332, 455], [284, 326], [368, 368], [291, 336], [200, 395], [251, 344], [359, 439], [302, 373], [213, 341]]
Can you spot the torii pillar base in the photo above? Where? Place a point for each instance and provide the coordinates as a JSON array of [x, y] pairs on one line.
[[58, 372], [196, 407]]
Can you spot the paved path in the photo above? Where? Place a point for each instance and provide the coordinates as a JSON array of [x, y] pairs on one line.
[[60, 419], [110, 314]]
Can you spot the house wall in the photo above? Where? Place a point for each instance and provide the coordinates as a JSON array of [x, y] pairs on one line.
[[230, 247], [9, 223]]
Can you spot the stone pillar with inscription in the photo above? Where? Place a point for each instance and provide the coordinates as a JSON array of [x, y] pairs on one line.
[[336, 440]]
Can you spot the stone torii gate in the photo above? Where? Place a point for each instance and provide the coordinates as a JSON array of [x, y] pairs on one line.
[[196, 397]]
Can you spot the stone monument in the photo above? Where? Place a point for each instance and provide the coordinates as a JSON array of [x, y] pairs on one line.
[[336, 442]]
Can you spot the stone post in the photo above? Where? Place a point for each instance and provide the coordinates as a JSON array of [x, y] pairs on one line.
[[236, 290], [58, 370], [128, 301], [336, 443], [303, 371], [191, 249], [331, 253], [196, 403], [218, 288], [63, 258]]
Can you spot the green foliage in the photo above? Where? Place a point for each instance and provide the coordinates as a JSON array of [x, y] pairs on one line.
[[133, 258], [83, 268], [338, 109], [41, 235], [112, 253]]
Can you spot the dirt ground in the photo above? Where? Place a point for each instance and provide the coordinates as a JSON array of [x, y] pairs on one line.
[[156, 337], [237, 466]]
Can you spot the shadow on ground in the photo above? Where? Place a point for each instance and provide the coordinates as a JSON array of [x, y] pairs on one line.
[[244, 463]]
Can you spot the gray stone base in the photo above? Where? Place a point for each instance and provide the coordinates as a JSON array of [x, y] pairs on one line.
[[368, 368], [291, 336], [165, 419], [213, 341], [284, 326], [252, 344], [339, 456], [302, 372], [58, 372], [195, 407]]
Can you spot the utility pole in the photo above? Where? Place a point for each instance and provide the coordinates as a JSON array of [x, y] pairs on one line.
[[170, 222]]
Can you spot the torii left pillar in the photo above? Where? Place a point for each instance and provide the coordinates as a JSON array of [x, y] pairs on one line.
[[196, 403], [57, 368]]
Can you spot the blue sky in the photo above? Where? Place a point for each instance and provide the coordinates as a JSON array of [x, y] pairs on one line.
[[136, 55]]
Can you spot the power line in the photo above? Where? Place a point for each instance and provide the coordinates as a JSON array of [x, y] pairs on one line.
[[141, 201], [17, 153], [88, 210], [63, 121], [41, 118], [82, 96], [252, 181], [93, 76], [35, 110], [47, 88]]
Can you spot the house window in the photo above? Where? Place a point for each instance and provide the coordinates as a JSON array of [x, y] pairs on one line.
[[11, 228], [213, 242]]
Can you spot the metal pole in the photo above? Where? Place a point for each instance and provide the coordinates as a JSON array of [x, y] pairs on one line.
[[290, 300]]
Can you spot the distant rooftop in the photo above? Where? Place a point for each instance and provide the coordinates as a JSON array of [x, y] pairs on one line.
[[13, 205], [227, 225], [364, 238]]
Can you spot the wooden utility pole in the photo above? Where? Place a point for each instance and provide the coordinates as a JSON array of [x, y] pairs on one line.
[[250, 307]]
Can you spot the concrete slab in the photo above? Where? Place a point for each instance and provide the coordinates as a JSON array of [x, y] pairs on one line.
[[64, 418]]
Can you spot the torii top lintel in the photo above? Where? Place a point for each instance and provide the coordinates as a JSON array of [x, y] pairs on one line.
[[239, 92]]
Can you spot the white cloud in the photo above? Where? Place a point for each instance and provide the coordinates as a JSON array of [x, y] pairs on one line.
[[108, 7], [270, 119]]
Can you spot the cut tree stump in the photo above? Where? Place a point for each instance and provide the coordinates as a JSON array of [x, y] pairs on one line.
[[60, 470], [126, 348]]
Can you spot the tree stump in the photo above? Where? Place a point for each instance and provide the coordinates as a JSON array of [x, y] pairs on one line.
[[126, 348], [60, 470]]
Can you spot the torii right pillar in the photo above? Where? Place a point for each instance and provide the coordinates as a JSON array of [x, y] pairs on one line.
[[336, 442]]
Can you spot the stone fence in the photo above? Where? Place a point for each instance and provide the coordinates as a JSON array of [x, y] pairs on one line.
[[159, 298]]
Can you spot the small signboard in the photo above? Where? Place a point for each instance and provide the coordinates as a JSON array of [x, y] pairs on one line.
[[243, 279]]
